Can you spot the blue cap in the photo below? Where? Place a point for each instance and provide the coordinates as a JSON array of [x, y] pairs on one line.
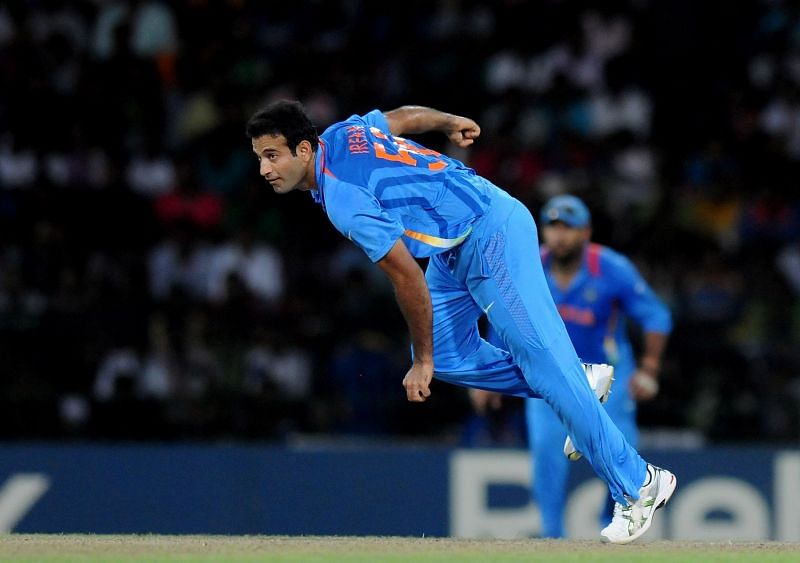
[[568, 209]]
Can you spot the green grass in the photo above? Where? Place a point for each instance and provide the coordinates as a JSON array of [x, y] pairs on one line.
[[241, 549]]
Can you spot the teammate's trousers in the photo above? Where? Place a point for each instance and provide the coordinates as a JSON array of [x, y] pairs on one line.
[[497, 271], [550, 468]]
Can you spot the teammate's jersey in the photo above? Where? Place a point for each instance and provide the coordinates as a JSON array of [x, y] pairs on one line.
[[377, 188], [606, 290]]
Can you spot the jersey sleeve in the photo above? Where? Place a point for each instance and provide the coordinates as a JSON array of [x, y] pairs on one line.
[[358, 215], [639, 301]]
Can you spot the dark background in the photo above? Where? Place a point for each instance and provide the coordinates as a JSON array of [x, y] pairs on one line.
[[153, 287]]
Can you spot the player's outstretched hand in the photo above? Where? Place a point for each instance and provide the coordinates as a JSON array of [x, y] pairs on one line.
[[463, 131], [417, 382]]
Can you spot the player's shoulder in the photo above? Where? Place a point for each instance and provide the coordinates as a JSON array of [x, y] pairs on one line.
[[350, 155], [374, 118], [344, 199], [605, 253], [337, 130], [340, 192], [340, 203], [608, 260]]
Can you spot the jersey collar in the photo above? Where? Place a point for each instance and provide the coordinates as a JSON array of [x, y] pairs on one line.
[[581, 274], [320, 171]]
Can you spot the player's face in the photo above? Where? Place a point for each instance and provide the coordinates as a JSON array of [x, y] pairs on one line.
[[282, 169], [563, 241]]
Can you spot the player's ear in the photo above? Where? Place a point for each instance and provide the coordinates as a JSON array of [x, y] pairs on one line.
[[304, 150]]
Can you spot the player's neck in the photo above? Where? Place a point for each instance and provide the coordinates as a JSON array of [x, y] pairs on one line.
[[311, 172], [567, 265], [564, 271]]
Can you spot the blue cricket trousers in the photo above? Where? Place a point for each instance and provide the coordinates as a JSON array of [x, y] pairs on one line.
[[550, 468], [497, 271]]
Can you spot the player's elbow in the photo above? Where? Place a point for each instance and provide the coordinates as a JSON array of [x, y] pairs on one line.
[[402, 120]]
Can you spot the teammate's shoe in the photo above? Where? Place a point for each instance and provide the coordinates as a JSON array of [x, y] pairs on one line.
[[600, 377], [634, 519]]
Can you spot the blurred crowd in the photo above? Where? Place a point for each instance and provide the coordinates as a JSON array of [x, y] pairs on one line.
[[153, 287]]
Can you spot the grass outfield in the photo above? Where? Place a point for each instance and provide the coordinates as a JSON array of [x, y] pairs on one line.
[[45, 548]]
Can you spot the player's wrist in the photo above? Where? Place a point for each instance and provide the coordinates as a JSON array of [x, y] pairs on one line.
[[650, 366], [423, 361]]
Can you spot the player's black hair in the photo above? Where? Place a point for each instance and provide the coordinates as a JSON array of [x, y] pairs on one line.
[[287, 118]]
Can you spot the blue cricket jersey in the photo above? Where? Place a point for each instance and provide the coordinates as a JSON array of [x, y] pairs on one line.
[[377, 188], [606, 290]]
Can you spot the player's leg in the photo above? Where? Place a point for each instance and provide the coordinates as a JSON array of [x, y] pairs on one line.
[[621, 407], [505, 276], [549, 468], [460, 355]]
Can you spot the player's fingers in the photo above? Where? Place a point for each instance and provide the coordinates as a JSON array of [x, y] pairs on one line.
[[416, 397], [458, 139], [414, 392], [425, 391], [472, 132]]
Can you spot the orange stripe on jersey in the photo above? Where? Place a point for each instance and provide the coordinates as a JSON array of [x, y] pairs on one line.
[[593, 259], [438, 165], [438, 242], [322, 149]]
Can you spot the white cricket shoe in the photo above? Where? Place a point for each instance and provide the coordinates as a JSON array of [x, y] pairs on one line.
[[600, 377], [631, 521]]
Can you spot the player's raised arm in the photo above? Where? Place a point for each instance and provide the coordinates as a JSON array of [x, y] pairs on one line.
[[462, 131]]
